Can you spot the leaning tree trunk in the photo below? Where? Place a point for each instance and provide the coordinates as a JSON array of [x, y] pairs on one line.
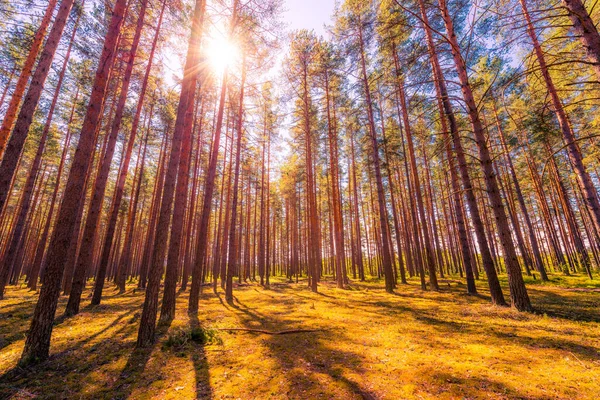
[[37, 345], [14, 148], [539, 264], [106, 244], [442, 92], [586, 29], [418, 195], [583, 178], [518, 292], [209, 186], [39, 254], [122, 265], [148, 319], [181, 190], [86, 252], [15, 100], [41, 248]]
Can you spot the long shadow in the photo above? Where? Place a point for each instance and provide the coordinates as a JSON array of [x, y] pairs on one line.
[[471, 387], [308, 352], [544, 299], [203, 388], [574, 307], [305, 351], [130, 375], [14, 321], [21, 380], [468, 327]]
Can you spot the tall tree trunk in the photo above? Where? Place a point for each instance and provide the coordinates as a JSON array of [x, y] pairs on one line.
[[583, 178], [232, 259], [9, 257], [358, 239], [539, 264], [153, 215], [15, 100], [418, 195], [41, 249], [90, 233], [209, 186], [148, 319], [167, 312], [442, 92], [518, 292], [338, 222], [37, 345], [586, 29], [120, 184], [384, 226], [14, 147]]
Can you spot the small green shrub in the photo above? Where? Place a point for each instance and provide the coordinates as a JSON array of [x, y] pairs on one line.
[[205, 336], [181, 337]]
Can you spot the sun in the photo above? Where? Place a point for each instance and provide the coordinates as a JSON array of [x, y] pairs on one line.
[[221, 53]]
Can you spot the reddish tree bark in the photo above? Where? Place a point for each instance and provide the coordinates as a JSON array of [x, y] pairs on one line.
[[14, 147], [148, 318], [24, 75], [88, 242], [583, 178], [37, 345], [518, 292]]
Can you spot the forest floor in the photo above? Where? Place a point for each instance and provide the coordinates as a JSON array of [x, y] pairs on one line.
[[366, 344]]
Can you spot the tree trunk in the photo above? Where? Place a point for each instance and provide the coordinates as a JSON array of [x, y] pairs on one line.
[[148, 319], [583, 178], [586, 30], [15, 100], [14, 147], [37, 345], [518, 292], [106, 243], [384, 227], [442, 92], [232, 259], [90, 233]]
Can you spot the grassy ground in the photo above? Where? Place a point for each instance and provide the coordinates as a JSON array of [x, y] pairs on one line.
[[372, 345]]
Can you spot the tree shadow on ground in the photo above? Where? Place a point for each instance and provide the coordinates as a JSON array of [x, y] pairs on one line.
[[130, 376], [472, 386], [15, 320], [581, 308], [198, 356], [498, 326], [51, 376], [306, 358]]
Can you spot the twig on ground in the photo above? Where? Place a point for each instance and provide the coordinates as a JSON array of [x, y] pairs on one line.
[[270, 332]]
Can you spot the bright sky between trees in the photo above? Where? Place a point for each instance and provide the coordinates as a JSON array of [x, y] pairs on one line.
[[308, 14]]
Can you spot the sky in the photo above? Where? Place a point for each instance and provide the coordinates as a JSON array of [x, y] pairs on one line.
[[308, 14], [301, 14]]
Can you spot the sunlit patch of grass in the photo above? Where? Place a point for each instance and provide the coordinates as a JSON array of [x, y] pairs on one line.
[[366, 344]]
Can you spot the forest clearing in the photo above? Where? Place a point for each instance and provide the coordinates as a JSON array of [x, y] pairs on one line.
[[366, 344], [299, 199]]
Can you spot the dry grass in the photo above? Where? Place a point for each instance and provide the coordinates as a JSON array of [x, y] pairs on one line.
[[373, 345]]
